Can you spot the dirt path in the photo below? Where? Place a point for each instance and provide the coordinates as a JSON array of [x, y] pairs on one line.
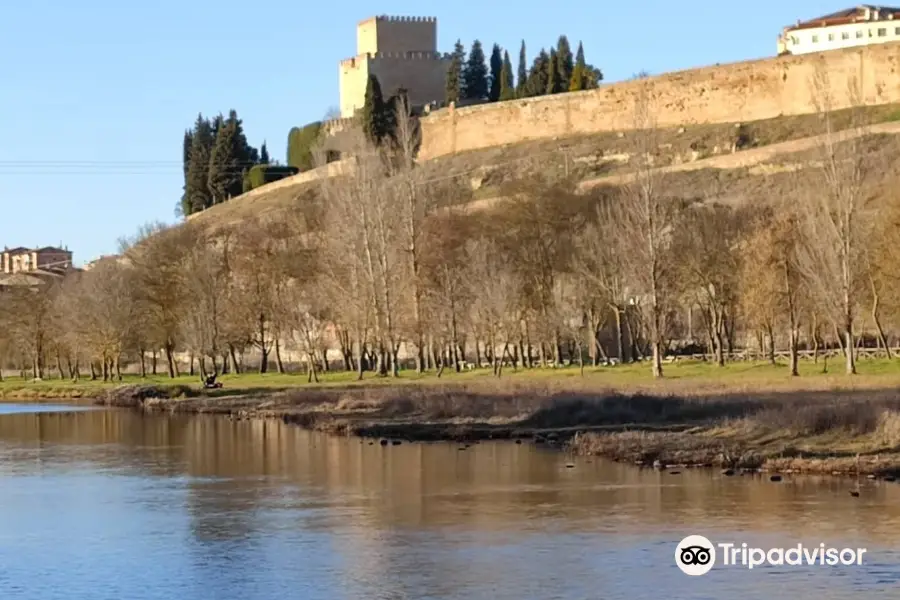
[[748, 158]]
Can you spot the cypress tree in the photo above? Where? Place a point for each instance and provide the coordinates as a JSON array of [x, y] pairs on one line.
[[225, 169], [475, 75], [186, 158], [453, 86], [579, 75], [263, 154], [592, 77], [245, 155], [565, 64], [554, 77], [496, 78], [539, 75], [197, 192], [373, 111], [507, 86], [522, 74]]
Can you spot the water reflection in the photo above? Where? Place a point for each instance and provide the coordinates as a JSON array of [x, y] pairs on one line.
[[211, 508]]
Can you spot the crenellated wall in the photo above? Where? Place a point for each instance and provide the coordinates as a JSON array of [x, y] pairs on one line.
[[737, 92], [396, 34]]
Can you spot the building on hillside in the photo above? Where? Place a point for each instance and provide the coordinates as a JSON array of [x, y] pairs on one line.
[[859, 26], [48, 258], [402, 53]]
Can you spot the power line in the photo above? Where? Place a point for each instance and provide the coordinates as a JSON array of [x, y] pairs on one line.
[[138, 168]]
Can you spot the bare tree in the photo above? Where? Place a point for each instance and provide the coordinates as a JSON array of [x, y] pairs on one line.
[[495, 289], [207, 288], [362, 229], [103, 314], [834, 220], [156, 256], [707, 238], [600, 259], [644, 219]]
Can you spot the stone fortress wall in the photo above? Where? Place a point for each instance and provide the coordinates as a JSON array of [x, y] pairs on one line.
[[731, 93]]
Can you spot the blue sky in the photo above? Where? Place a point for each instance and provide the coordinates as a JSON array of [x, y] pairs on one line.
[[95, 94]]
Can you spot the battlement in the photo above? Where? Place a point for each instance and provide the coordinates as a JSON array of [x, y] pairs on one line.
[[409, 55], [395, 19]]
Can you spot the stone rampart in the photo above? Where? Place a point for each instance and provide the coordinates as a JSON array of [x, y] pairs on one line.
[[737, 92]]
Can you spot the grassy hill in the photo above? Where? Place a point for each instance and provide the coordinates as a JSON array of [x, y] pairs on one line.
[[737, 161]]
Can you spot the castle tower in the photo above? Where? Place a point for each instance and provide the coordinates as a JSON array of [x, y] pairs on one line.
[[400, 52]]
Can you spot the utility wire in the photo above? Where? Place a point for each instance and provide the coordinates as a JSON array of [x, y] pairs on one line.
[[137, 168]]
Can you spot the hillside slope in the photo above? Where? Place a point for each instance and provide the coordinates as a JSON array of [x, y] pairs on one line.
[[753, 152]]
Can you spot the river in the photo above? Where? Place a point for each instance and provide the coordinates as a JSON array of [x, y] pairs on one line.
[[114, 505]]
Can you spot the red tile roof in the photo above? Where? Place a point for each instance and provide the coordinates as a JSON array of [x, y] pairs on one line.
[[844, 17]]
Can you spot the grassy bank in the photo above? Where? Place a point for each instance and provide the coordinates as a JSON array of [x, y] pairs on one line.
[[745, 415]]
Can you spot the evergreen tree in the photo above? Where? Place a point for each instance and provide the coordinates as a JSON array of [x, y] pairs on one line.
[[453, 88], [579, 74], [186, 163], [584, 76], [374, 111], [225, 169], [554, 77], [301, 141], [475, 75], [496, 78], [565, 64], [245, 155], [522, 73], [593, 77], [197, 195], [507, 86], [538, 76], [264, 154]]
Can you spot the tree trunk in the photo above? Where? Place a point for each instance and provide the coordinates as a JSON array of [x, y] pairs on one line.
[[771, 335], [153, 362], [850, 358], [877, 321], [278, 362], [795, 338], [170, 360], [143, 363], [93, 371], [311, 368], [580, 357], [191, 364], [263, 360], [59, 366], [620, 342], [657, 359], [360, 358], [235, 366], [118, 366]]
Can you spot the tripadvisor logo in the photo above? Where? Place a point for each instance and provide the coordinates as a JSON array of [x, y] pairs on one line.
[[696, 555]]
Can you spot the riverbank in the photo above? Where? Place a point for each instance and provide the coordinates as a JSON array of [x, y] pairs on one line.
[[743, 416]]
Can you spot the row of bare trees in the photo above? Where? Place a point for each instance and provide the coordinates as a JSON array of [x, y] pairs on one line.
[[386, 270]]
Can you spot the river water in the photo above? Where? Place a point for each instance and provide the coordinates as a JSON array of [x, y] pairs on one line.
[[108, 504]]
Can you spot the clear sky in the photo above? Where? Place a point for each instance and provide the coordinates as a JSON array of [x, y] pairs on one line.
[[95, 94]]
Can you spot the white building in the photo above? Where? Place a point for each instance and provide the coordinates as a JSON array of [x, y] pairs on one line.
[[860, 26]]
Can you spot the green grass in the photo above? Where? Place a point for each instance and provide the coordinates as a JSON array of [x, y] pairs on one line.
[[681, 376]]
